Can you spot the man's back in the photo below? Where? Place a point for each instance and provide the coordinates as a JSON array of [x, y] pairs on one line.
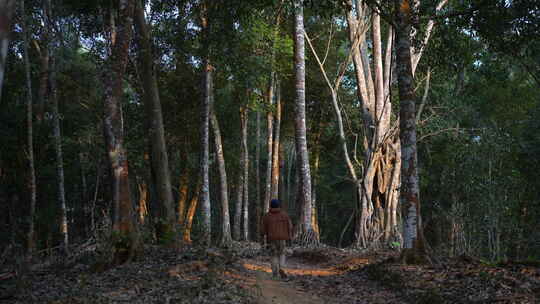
[[277, 225]]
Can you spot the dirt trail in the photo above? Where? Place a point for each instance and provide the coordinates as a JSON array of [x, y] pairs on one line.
[[280, 292]]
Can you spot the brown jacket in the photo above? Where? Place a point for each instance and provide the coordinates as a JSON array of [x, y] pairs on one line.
[[276, 225]]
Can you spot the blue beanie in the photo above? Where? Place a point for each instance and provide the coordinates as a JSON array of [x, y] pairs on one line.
[[275, 203]]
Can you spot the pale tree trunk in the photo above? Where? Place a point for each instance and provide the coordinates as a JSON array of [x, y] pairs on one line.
[[269, 146], [205, 117], [410, 192], [57, 134], [226, 238], [156, 133], [258, 209], [44, 70], [417, 53], [373, 187], [59, 160], [30, 137], [123, 224], [245, 186], [276, 143], [237, 229], [300, 119], [6, 11]]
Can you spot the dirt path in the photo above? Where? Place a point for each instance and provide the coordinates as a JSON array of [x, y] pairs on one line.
[[315, 277], [280, 292]]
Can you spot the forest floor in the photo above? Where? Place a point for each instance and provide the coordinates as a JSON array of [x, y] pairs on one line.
[[243, 275]]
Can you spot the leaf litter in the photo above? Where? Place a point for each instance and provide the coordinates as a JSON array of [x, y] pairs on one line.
[[241, 274]]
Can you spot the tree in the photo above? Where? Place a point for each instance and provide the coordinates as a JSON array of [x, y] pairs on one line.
[[156, 133], [205, 117], [124, 232], [226, 237], [410, 190], [300, 119], [53, 95], [30, 136], [244, 119]]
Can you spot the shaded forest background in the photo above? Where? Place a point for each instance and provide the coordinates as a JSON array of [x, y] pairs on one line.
[[478, 120]]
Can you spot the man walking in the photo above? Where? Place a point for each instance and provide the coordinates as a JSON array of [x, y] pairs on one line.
[[277, 227]]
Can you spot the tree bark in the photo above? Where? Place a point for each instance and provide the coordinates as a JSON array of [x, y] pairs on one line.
[[6, 11], [226, 238], [269, 145], [143, 201], [57, 134], [245, 186], [258, 209], [156, 132], [182, 197], [123, 224], [300, 119], [373, 186], [410, 192], [276, 143], [188, 223], [29, 134], [205, 113], [237, 229]]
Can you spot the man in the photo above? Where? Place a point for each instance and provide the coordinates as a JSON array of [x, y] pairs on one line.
[[277, 227]]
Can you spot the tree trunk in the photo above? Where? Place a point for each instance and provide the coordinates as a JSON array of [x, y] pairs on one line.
[[6, 11], [188, 223], [30, 136], [258, 209], [57, 133], [205, 114], [156, 133], [276, 143], [44, 71], [126, 243], [245, 186], [240, 184], [182, 197], [373, 186], [410, 192], [300, 119], [143, 201], [270, 146], [237, 229], [226, 238]]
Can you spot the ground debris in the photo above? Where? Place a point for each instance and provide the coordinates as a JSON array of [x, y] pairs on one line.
[[146, 280]]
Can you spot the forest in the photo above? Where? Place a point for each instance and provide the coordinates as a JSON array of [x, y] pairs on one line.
[[142, 142]]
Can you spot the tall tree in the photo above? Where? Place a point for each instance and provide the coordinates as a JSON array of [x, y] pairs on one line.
[[49, 24], [245, 173], [276, 143], [156, 132], [6, 12], [205, 117], [410, 191], [226, 237], [120, 34], [300, 118], [258, 209], [29, 135]]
